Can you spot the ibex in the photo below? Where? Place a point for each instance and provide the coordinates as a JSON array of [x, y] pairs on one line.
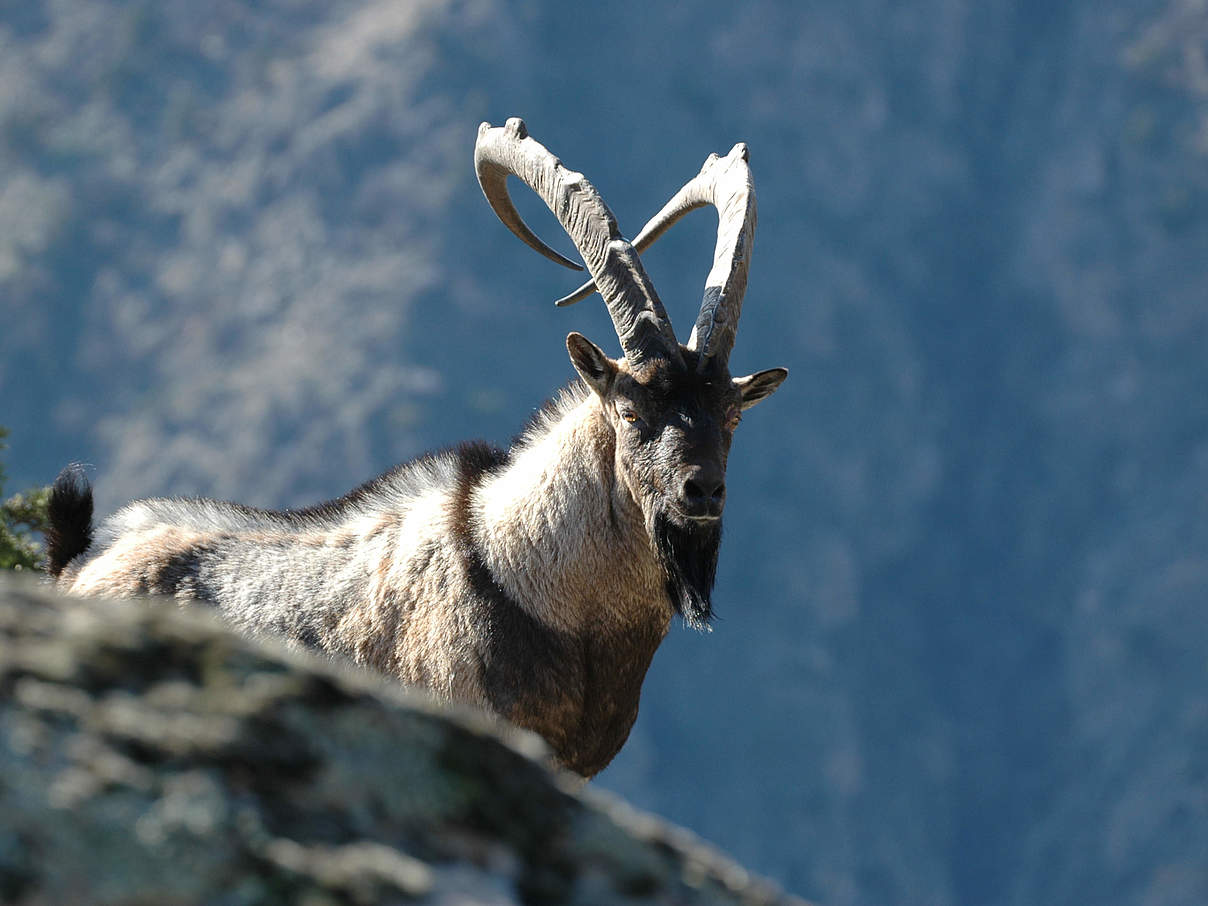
[[535, 582]]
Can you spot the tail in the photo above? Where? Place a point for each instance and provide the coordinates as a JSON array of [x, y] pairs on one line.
[[70, 511]]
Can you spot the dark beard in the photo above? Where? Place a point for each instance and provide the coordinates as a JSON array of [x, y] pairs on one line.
[[688, 555]]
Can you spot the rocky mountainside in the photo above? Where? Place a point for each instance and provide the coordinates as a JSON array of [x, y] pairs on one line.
[[961, 655], [148, 755]]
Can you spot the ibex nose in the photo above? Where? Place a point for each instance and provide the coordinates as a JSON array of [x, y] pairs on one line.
[[704, 492]]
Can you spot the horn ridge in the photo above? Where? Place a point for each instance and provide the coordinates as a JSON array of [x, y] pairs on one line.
[[637, 313], [726, 184]]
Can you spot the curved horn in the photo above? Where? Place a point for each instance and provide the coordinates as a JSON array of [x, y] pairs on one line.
[[640, 320], [725, 183]]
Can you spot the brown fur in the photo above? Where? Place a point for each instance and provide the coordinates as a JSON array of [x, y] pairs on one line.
[[525, 582], [547, 608]]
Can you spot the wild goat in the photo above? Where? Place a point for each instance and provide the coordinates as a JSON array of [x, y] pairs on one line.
[[535, 582]]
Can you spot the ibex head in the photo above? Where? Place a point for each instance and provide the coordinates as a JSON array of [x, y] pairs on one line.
[[672, 407]]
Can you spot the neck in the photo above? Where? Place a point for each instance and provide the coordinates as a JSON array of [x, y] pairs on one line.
[[572, 594], [561, 536]]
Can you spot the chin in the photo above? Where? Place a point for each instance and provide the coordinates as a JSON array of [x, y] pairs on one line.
[[687, 549]]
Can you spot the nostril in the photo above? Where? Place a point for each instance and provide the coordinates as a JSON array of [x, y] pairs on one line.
[[704, 495], [693, 492]]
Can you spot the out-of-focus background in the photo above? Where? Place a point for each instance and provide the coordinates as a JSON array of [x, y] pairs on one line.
[[963, 654]]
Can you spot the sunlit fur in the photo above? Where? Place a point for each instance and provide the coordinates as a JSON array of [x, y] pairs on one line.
[[523, 582], [535, 582]]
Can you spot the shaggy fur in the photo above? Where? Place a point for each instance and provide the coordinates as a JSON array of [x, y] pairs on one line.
[[535, 582], [523, 582]]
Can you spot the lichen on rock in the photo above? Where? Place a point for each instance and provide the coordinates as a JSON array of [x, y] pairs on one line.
[[150, 755]]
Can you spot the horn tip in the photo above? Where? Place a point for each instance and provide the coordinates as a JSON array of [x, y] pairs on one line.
[[515, 126]]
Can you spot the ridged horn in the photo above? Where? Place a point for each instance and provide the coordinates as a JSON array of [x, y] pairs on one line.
[[637, 314], [725, 183]]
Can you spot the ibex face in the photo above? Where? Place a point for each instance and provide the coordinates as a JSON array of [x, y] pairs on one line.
[[673, 428], [673, 408]]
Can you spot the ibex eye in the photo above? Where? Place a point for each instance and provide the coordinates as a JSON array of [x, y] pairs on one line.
[[629, 415]]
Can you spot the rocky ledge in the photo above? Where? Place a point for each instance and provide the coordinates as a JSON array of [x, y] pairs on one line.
[[149, 755]]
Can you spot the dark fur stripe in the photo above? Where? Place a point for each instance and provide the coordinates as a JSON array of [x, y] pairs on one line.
[[581, 694], [70, 511], [180, 573], [514, 642], [529, 671]]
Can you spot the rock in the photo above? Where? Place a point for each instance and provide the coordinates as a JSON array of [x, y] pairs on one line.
[[149, 755]]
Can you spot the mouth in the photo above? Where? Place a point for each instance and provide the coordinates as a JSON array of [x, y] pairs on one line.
[[699, 519]]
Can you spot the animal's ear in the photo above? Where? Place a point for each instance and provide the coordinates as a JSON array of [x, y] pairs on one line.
[[760, 385], [592, 364]]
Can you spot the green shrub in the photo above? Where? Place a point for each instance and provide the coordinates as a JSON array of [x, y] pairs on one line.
[[22, 519]]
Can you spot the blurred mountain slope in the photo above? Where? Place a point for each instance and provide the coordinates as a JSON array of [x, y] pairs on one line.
[[215, 224]]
